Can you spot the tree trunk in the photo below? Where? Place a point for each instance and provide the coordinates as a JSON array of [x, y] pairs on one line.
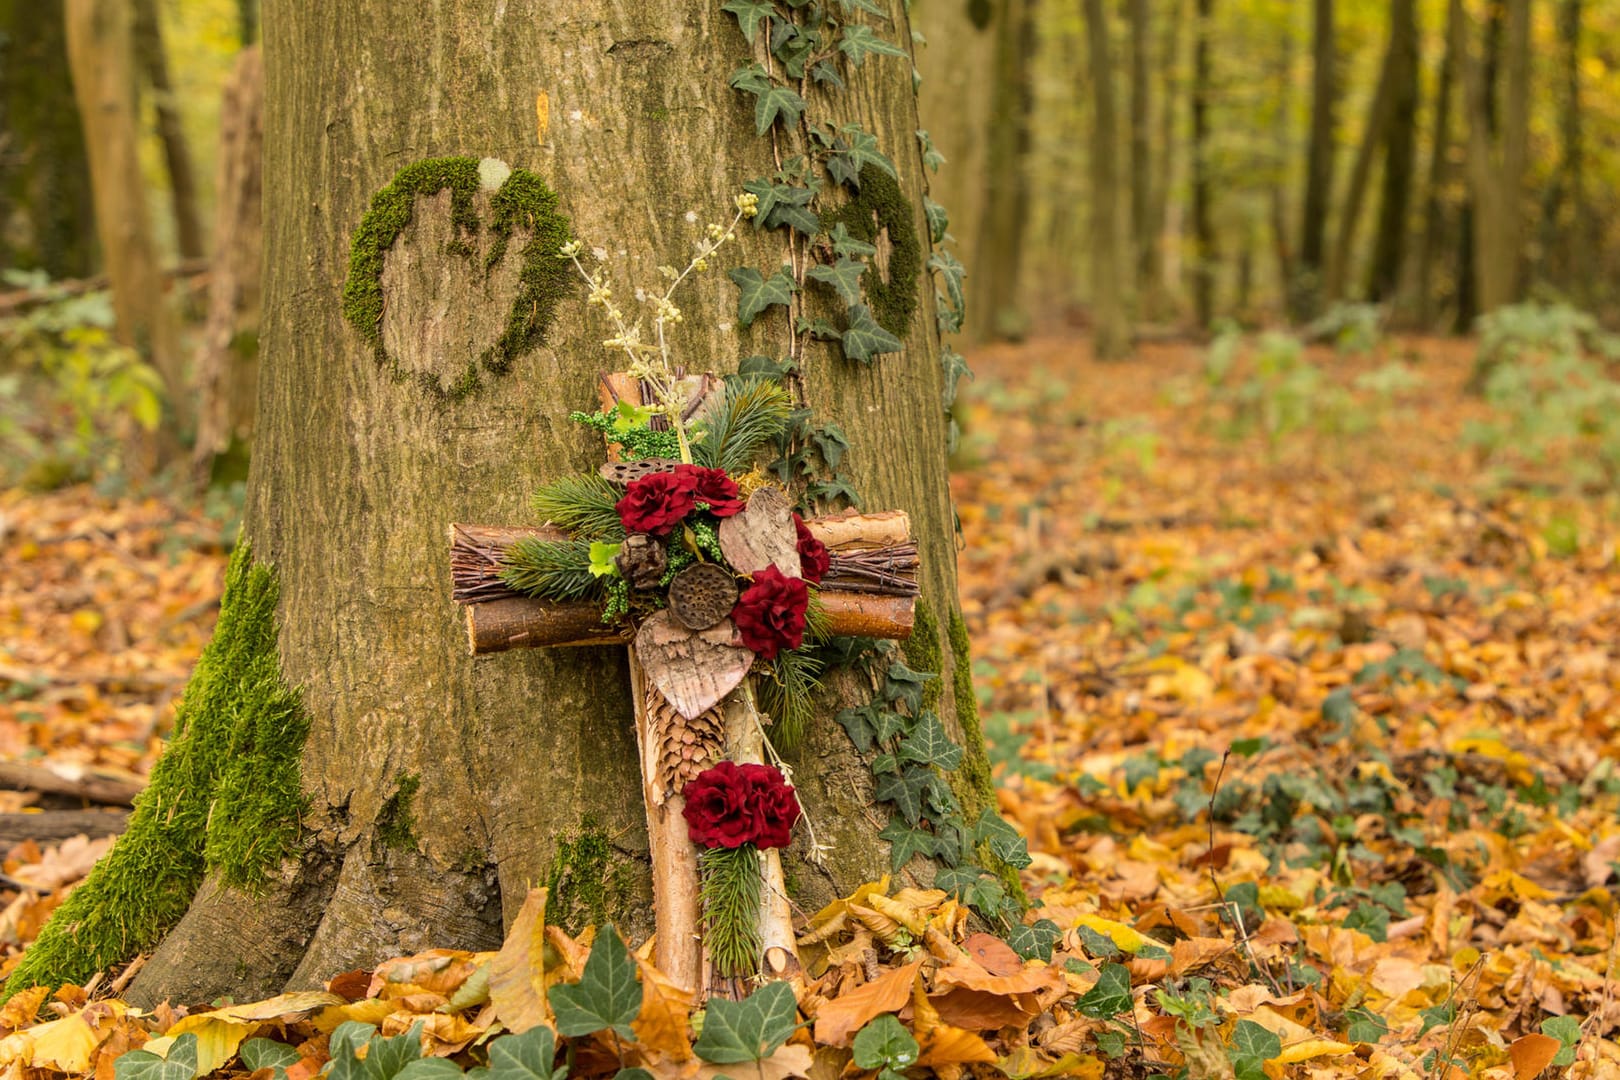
[[227, 362], [1434, 217], [1400, 150], [46, 216], [960, 52], [1380, 117], [1566, 243], [1203, 227], [101, 57], [1110, 334], [176, 154], [1496, 164], [439, 786], [1168, 210], [1306, 290], [998, 248], [1144, 229]]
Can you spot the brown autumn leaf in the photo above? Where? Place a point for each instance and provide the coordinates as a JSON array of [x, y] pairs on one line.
[[946, 1045], [517, 975], [1532, 1053], [839, 1020], [665, 1007], [993, 954], [977, 1010]]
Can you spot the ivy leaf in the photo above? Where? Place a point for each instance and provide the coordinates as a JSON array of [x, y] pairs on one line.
[[905, 790], [859, 42], [845, 244], [973, 886], [865, 338], [181, 1064], [889, 724], [884, 1043], [882, 764], [784, 204], [1365, 1026], [525, 1057], [767, 366], [951, 272], [858, 723], [607, 996], [830, 491], [844, 276], [259, 1054], [825, 73], [938, 220], [955, 365], [831, 443], [1002, 839], [941, 800], [1110, 997], [932, 158], [757, 292], [928, 744], [750, 13], [853, 150], [860, 5], [905, 841], [1035, 941], [431, 1068], [903, 684], [1252, 1046], [748, 1030]]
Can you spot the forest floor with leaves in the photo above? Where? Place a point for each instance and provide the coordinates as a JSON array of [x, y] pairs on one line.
[[1312, 728]]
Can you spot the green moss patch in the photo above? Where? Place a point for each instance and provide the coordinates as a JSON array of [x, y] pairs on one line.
[[396, 823], [923, 653], [881, 205], [224, 797], [523, 201], [975, 768], [586, 880]]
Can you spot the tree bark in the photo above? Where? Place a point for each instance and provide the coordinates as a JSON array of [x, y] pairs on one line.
[[1435, 219], [1566, 238], [1203, 227], [1167, 211], [176, 153], [1497, 159], [101, 57], [1110, 334], [516, 763], [46, 213], [1380, 116], [1144, 230], [1306, 289], [998, 247], [1400, 150]]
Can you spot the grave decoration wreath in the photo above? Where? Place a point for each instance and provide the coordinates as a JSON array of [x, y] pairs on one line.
[[683, 546]]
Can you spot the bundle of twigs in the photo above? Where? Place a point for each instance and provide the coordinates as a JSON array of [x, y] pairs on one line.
[[882, 571], [475, 564]]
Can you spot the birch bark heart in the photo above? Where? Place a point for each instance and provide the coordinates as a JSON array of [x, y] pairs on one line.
[[692, 669], [762, 535]]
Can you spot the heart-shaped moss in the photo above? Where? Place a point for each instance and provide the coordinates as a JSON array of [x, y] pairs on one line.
[[522, 202]]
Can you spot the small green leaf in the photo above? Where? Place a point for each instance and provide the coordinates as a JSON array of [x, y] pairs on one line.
[[748, 1030], [750, 14], [1035, 941], [994, 832], [905, 790], [180, 1064], [938, 220], [527, 1056], [929, 744], [757, 292], [1365, 1026], [1567, 1030], [865, 338], [901, 684], [607, 996], [859, 42], [602, 556], [845, 244], [884, 1042], [1252, 1046], [905, 841], [259, 1054], [1110, 997], [844, 276], [432, 1068]]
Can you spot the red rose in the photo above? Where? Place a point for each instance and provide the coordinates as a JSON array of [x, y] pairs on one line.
[[813, 557], [714, 487], [730, 805], [656, 503], [718, 812], [774, 806], [770, 613]]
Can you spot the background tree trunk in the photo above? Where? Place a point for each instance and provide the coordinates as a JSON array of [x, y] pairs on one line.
[[1167, 207], [154, 64], [1565, 241], [101, 56], [996, 301], [1380, 116], [46, 215], [1435, 219], [441, 787], [1144, 228], [1110, 335], [1203, 227], [1306, 289], [1400, 149], [1496, 164], [960, 53]]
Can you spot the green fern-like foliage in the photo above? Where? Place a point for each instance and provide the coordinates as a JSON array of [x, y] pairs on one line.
[[730, 895], [788, 695], [582, 505], [754, 412], [551, 569]]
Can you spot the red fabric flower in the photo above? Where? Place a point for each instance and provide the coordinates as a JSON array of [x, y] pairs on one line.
[[714, 487], [813, 557], [717, 808], [770, 613], [730, 805], [656, 503]]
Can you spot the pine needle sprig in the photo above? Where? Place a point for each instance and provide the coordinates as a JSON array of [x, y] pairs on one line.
[[817, 627], [788, 695], [730, 894], [582, 504], [551, 569], [753, 413]]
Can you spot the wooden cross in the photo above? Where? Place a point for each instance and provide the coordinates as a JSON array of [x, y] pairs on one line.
[[869, 590]]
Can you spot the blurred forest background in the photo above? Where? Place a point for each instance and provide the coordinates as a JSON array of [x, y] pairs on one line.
[[1147, 170]]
